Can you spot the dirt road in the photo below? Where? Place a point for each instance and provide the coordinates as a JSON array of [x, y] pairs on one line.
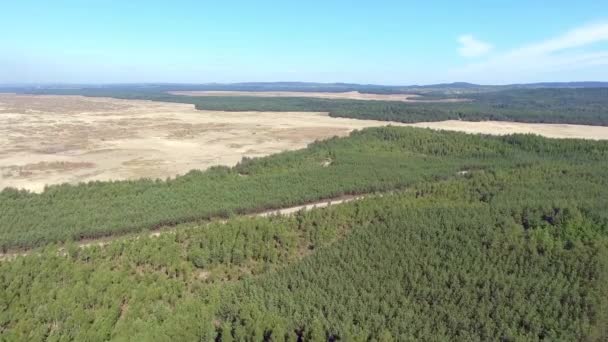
[[155, 233]]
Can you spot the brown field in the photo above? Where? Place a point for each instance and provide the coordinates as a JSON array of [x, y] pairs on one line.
[[58, 139], [351, 95]]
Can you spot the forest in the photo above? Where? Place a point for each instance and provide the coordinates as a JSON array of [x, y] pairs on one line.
[[573, 106], [481, 238], [585, 106], [373, 160]]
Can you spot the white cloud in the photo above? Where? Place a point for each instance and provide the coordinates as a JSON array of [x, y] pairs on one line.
[[581, 36], [568, 51], [471, 47]]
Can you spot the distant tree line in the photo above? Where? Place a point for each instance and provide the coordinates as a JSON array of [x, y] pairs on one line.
[[587, 106]]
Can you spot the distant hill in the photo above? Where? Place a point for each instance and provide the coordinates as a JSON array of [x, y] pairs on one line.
[[430, 89], [449, 85], [562, 85]]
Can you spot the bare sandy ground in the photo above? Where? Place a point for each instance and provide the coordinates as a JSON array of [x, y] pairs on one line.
[[351, 95], [503, 128], [57, 139]]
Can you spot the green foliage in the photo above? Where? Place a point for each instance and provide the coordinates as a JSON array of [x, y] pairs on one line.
[[464, 268], [371, 160], [575, 106], [587, 106], [514, 249]]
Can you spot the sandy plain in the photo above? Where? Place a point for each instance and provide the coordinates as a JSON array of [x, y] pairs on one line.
[[351, 95], [48, 139]]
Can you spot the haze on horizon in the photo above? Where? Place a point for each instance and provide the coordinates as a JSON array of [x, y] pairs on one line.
[[387, 42]]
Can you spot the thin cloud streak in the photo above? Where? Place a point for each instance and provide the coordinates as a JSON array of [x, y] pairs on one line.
[[555, 54], [471, 47]]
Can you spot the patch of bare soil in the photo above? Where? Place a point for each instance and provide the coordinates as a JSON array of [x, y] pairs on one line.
[[42, 167], [503, 128], [351, 95]]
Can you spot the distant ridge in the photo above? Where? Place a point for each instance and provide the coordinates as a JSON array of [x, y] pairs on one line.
[[450, 85], [585, 84], [454, 88], [562, 85]]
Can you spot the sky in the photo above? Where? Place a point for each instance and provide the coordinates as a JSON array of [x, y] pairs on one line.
[[379, 42]]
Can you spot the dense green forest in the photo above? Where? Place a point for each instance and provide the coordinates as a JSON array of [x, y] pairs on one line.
[[514, 249], [366, 162], [587, 106], [372, 160], [575, 106]]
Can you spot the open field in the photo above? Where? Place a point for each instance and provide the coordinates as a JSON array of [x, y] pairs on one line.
[[57, 139], [350, 95]]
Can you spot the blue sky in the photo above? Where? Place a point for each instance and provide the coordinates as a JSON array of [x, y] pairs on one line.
[[383, 42]]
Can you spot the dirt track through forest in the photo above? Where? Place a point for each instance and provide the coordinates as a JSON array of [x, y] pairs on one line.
[[56, 139], [169, 230]]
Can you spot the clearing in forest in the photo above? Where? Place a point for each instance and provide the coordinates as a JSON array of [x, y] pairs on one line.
[[504, 127]]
